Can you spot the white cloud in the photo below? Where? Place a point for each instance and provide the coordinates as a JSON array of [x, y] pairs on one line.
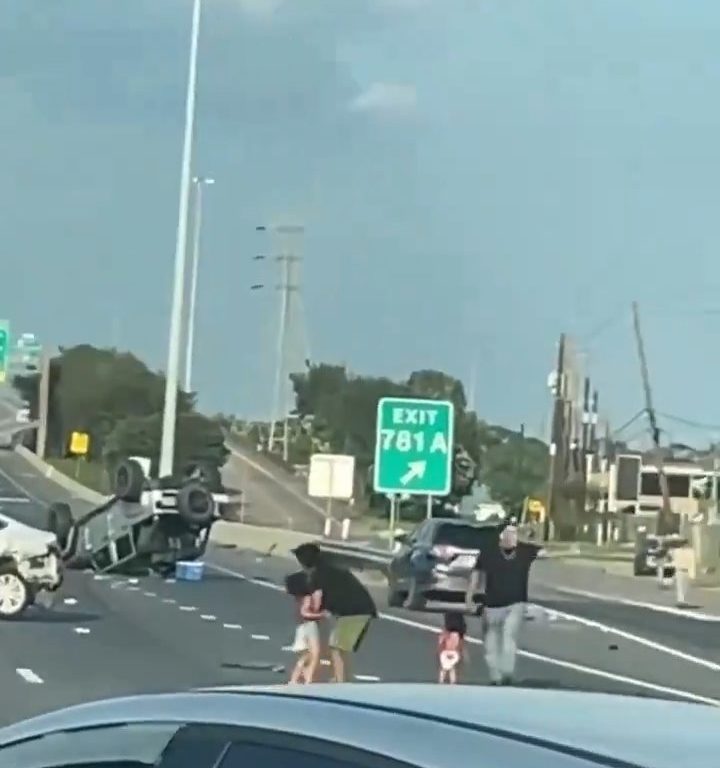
[[386, 98]]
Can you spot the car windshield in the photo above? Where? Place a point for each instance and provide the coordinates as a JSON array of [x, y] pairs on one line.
[[352, 290]]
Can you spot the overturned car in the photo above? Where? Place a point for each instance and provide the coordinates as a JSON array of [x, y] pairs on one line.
[[147, 525], [29, 565]]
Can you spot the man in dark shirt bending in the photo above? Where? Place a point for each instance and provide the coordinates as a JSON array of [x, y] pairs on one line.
[[345, 598], [506, 571]]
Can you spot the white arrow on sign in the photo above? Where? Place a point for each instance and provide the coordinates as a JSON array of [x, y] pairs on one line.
[[416, 470]]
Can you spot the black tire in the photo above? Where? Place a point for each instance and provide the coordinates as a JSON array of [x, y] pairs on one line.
[[207, 474], [129, 481], [395, 598], [60, 522], [195, 505], [15, 594]]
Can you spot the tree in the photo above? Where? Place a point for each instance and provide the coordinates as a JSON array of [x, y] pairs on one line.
[[198, 439], [118, 401], [340, 411]]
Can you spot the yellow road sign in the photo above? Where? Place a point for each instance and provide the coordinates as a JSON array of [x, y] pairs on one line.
[[79, 443]]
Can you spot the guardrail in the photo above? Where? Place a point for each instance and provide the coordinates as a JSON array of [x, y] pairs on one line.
[[357, 557]]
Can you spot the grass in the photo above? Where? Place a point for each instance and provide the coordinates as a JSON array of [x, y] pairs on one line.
[[92, 476]]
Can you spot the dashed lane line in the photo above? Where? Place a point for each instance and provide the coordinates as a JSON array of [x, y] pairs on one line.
[[569, 665], [29, 676]]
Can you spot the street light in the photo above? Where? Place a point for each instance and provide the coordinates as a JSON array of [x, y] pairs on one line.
[[198, 183], [167, 443]]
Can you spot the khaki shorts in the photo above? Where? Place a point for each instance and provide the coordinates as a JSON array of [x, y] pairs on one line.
[[349, 632]]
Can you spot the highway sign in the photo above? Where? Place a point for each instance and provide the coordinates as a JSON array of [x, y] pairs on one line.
[[79, 443], [4, 348], [414, 446]]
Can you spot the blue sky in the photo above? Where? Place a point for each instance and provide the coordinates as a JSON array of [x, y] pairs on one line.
[[475, 176]]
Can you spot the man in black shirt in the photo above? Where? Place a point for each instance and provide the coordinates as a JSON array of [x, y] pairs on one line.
[[506, 571], [345, 598]]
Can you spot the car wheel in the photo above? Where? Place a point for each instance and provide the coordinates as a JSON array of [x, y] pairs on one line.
[[60, 522], [129, 481], [15, 594], [394, 597], [195, 505]]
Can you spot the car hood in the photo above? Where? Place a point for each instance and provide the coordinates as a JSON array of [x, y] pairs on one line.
[[22, 540]]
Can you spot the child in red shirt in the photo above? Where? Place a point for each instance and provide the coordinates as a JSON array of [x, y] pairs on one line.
[[308, 613], [451, 647]]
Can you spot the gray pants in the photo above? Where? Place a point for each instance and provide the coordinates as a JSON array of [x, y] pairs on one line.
[[501, 629]]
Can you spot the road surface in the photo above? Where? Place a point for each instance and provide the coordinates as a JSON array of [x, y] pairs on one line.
[[111, 636]]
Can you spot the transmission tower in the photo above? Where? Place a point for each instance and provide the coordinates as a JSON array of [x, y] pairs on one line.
[[292, 353]]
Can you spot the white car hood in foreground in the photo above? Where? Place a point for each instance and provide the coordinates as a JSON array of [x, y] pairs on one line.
[[22, 540]]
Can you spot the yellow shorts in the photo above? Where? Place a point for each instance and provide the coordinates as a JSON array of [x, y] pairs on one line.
[[349, 632]]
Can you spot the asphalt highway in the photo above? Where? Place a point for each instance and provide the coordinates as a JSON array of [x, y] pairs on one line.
[[108, 636]]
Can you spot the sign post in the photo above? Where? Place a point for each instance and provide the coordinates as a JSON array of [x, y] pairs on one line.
[[4, 349], [414, 448]]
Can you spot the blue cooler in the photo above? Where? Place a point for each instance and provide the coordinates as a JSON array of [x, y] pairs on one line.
[[189, 571]]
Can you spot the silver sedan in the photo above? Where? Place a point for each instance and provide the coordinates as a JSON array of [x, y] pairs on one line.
[[368, 726]]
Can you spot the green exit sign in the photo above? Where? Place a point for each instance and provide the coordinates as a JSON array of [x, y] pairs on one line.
[[4, 348], [414, 446]]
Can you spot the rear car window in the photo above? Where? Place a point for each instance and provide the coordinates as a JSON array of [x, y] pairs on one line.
[[465, 536]]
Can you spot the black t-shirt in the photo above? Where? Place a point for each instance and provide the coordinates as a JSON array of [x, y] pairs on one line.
[[506, 575], [343, 594]]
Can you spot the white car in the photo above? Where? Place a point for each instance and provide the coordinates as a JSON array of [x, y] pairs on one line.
[[29, 564]]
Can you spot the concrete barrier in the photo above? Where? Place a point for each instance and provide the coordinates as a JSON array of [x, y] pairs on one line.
[[257, 538], [60, 478]]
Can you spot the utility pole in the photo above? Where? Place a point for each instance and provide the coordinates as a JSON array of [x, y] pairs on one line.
[[43, 405], [169, 422], [290, 319], [556, 434], [198, 183], [664, 519]]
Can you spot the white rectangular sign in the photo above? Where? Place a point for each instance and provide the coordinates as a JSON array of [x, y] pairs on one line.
[[331, 476]]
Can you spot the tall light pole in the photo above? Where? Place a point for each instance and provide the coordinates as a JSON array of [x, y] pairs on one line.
[[198, 183], [167, 443]]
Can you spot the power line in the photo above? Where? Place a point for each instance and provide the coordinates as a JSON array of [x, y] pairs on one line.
[[690, 422]]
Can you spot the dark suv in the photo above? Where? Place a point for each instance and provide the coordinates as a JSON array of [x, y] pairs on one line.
[[434, 562]]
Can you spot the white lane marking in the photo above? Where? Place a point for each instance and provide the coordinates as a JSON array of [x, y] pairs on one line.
[[70, 601], [260, 637], [150, 594], [655, 646], [667, 690], [232, 626], [29, 676], [169, 600], [23, 489], [367, 678], [133, 589], [100, 577], [208, 617], [170, 581], [188, 608], [133, 581], [683, 612], [14, 500], [82, 631]]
